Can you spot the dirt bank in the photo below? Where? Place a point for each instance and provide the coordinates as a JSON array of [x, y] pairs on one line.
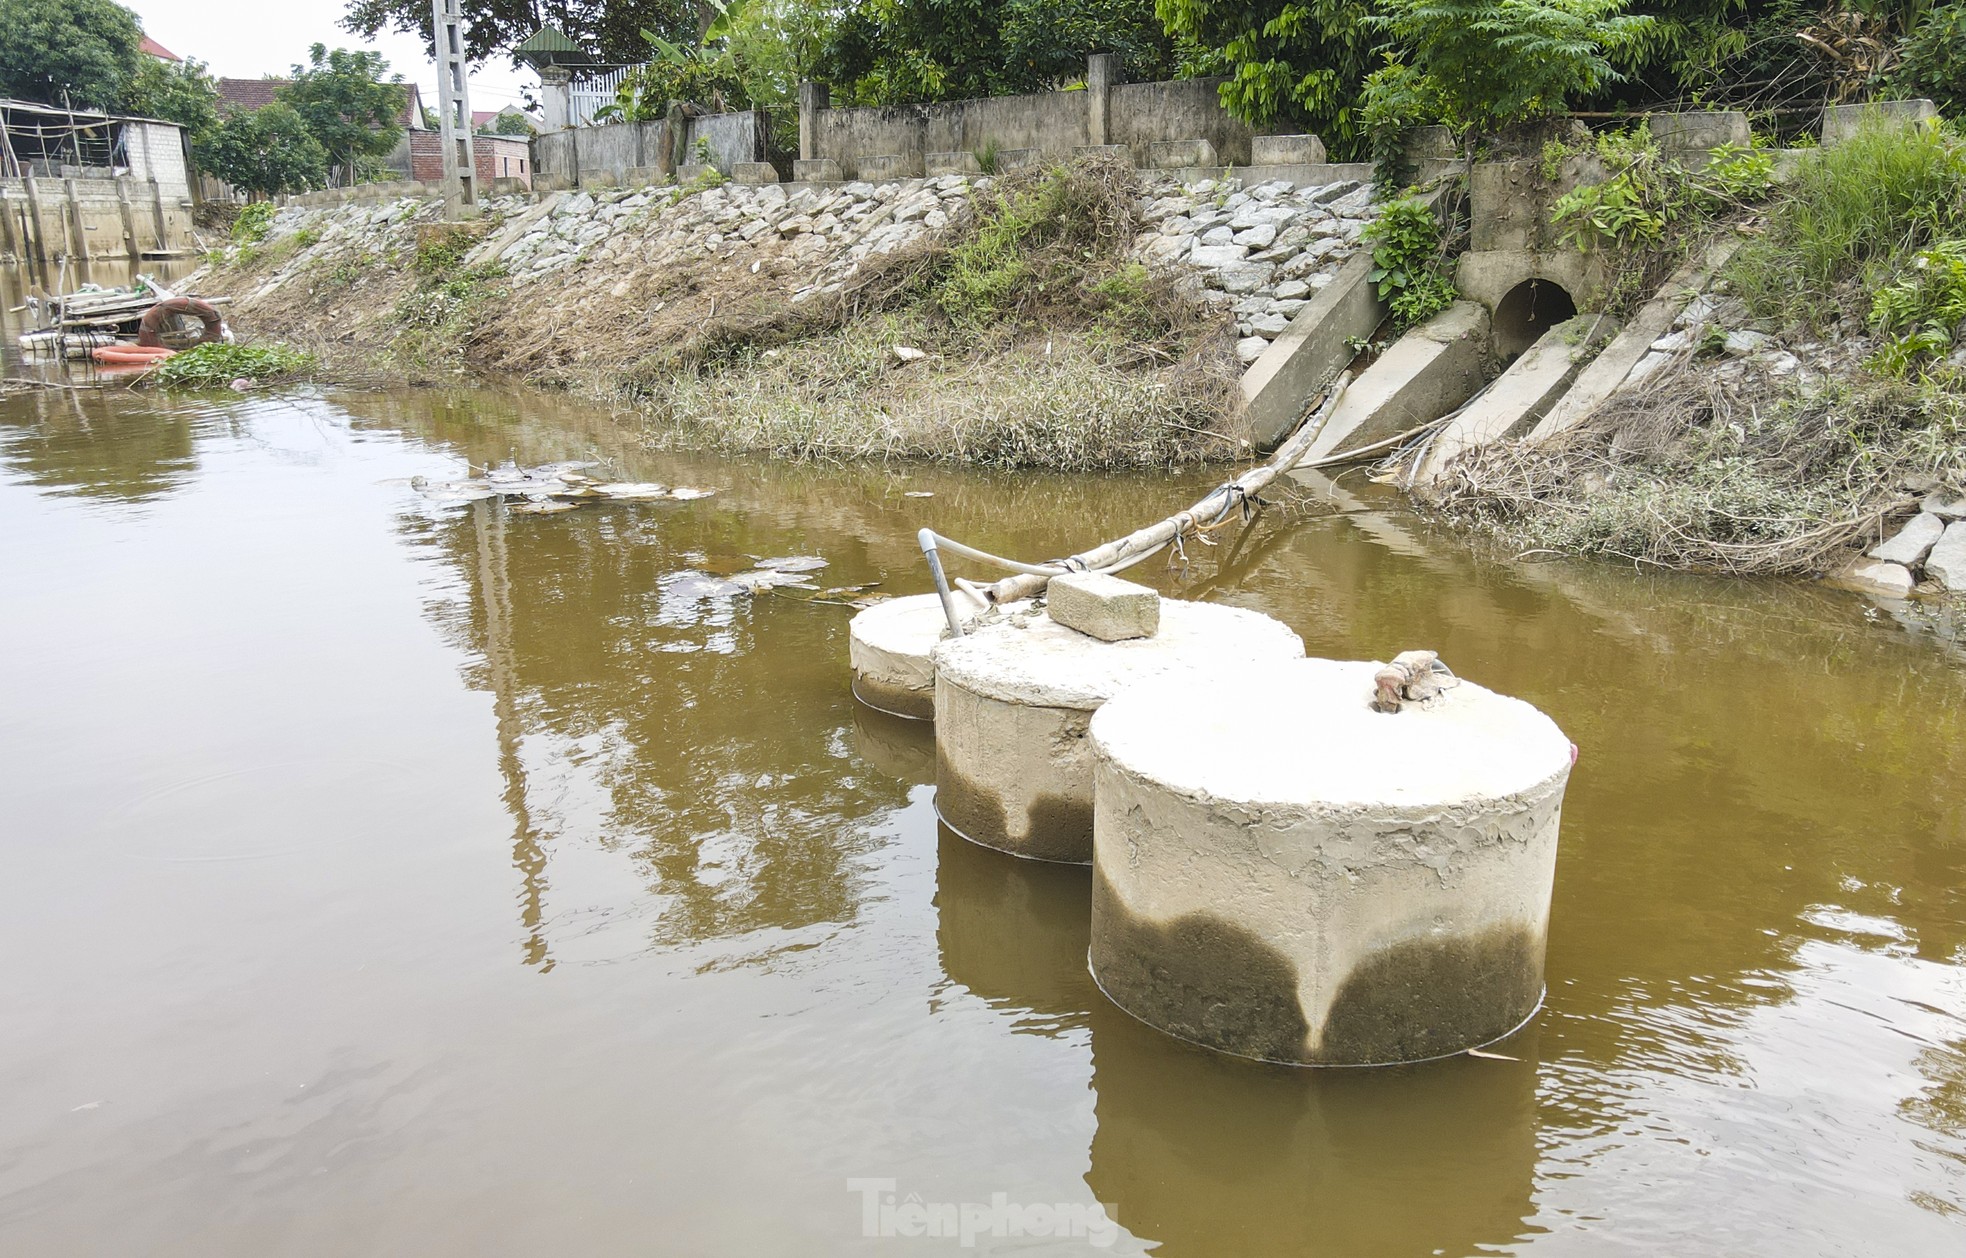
[[1082, 318]]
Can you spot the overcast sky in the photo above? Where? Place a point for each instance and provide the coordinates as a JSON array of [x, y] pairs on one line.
[[247, 39]]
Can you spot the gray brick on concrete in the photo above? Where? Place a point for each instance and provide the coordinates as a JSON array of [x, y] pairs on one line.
[[1286, 150], [1103, 606]]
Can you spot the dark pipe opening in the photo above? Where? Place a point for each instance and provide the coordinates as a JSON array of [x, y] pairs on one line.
[[1527, 311]]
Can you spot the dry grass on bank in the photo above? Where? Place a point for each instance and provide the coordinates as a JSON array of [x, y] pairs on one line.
[[1046, 346], [1064, 402], [1688, 473]]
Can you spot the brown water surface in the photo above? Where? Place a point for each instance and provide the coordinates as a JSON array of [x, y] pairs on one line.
[[382, 878]]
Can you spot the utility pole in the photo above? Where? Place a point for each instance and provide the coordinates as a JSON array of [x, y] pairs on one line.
[[454, 112]]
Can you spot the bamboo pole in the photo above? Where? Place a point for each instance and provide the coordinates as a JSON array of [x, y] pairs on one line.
[[1216, 504]]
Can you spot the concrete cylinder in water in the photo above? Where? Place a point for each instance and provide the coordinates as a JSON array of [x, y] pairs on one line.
[[1282, 873], [1013, 699], [889, 645]]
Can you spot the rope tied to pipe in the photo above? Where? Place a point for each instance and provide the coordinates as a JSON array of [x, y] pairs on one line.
[[1415, 677]]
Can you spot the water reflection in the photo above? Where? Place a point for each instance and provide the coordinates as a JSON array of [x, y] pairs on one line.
[[1212, 1155], [99, 445], [637, 723], [1205, 1154], [549, 753], [1013, 933]]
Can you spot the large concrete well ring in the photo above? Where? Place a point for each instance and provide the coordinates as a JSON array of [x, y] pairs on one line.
[[1013, 769], [1308, 881], [890, 646]]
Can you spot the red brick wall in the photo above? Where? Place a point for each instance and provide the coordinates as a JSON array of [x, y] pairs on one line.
[[498, 157]]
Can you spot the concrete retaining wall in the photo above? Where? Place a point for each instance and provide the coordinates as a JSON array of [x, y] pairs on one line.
[[1139, 114], [364, 192], [1053, 123], [121, 217], [632, 152], [1051, 126]]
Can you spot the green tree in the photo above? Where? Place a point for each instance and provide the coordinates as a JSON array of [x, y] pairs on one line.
[[348, 106], [511, 124], [610, 29], [777, 43], [265, 151], [181, 92], [1492, 63], [1292, 62], [82, 53], [891, 51]]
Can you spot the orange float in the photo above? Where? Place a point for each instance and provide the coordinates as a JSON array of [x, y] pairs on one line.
[[126, 355]]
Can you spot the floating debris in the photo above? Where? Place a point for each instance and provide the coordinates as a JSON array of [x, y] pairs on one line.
[[762, 579], [719, 576], [547, 507], [793, 563], [691, 584], [551, 487], [633, 490]]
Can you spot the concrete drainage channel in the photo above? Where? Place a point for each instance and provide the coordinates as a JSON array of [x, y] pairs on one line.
[[1312, 882]]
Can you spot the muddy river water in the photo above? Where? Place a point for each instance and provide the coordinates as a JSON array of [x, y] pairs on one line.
[[386, 878]]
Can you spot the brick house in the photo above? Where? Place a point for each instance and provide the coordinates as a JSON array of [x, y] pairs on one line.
[[497, 157]]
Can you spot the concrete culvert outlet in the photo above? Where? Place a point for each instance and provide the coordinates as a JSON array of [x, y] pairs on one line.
[[1305, 880], [1013, 769], [1527, 311]]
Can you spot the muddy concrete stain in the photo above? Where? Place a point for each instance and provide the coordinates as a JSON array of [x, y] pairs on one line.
[[1423, 998], [1199, 977], [1055, 828]]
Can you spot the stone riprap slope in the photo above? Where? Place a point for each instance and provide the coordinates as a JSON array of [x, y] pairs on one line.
[[1262, 251], [599, 280]]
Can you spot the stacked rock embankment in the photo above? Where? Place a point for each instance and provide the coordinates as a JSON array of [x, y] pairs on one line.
[[636, 263]]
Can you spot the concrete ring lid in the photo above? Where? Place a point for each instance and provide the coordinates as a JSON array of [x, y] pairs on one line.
[[1301, 735], [895, 637], [1028, 658]]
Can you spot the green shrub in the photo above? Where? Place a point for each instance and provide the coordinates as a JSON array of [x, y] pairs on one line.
[[1645, 192], [1932, 64], [1854, 213], [1488, 64], [442, 252], [216, 366], [1921, 311], [1409, 261], [253, 223], [995, 266]]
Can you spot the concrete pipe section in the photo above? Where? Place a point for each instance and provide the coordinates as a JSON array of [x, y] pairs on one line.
[[1013, 770], [889, 645], [1307, 881]]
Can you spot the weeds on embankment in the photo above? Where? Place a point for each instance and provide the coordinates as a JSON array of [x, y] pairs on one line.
[[1688, 474], [1040, 344], [1767, 476]]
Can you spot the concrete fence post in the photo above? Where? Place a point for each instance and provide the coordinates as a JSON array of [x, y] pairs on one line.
[[127, 213], [80, 246], [676, 152], [813, 97], [157, 214], [36, 230], [556, 97], [1102, 71]]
